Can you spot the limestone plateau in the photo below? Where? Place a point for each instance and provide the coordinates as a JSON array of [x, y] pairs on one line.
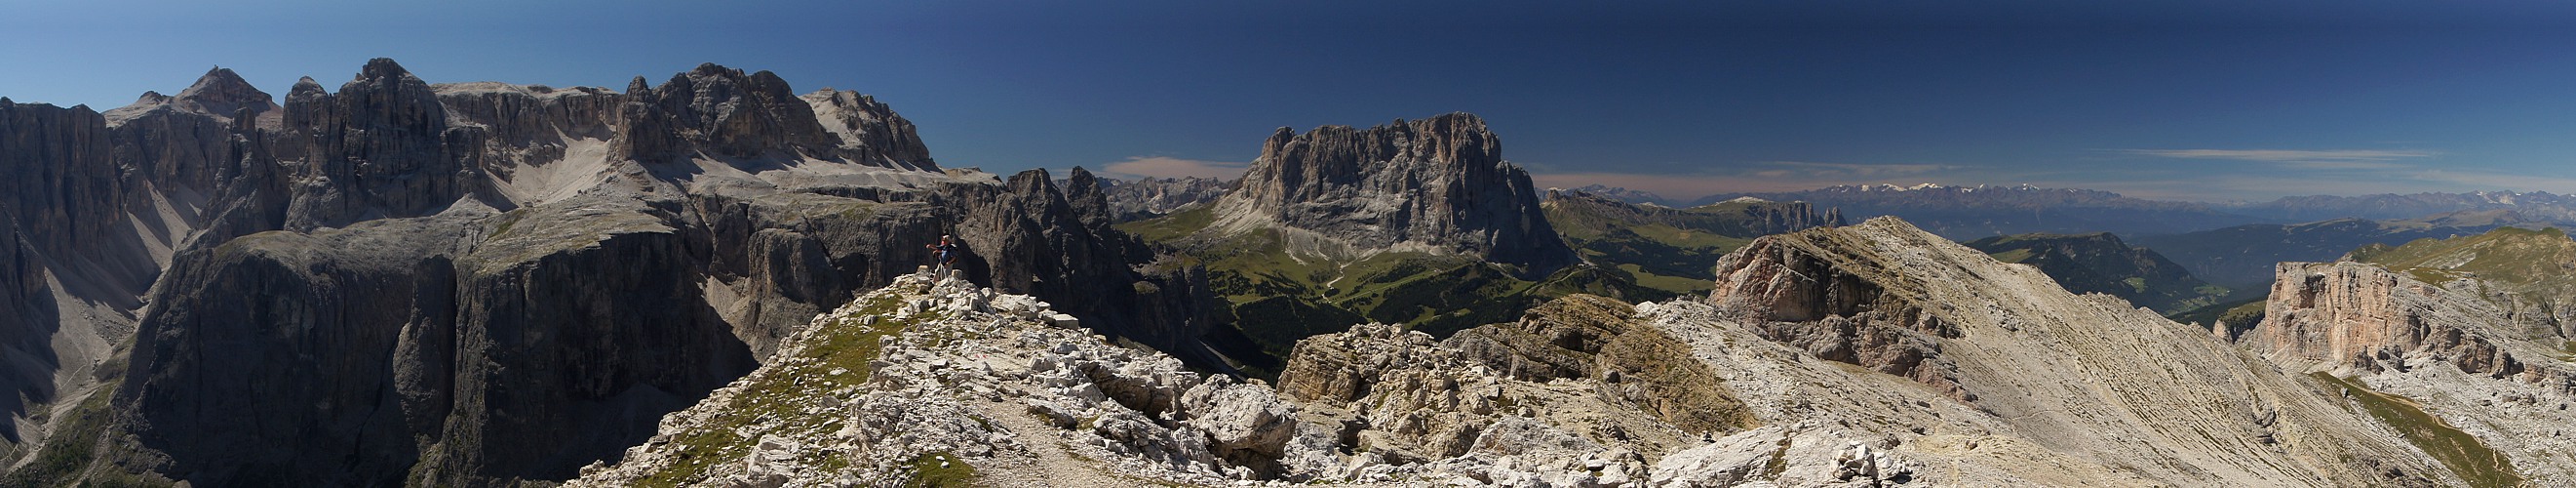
[[717, 281]]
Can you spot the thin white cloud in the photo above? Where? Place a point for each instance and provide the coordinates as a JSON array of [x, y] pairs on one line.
[[2350, 159], [1163, 167]]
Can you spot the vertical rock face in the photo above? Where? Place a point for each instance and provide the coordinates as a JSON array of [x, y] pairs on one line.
[[27, 320], [380, 147], [1438, 183], [280, 344], [2363, 316], [2457, 352], [1805, 287], [63, 185]]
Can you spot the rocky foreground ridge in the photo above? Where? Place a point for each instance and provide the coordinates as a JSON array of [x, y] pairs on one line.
[[1868, 355]]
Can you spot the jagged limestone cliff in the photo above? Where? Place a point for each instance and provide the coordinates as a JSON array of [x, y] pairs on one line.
[[2459, 339], [476, 283]]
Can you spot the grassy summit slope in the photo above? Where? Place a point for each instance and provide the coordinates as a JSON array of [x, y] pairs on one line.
[[2535, 261]]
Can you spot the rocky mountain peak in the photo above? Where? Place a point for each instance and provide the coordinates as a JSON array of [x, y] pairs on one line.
[[869, 130], [734, 114], [220, 94], [224, 94], [1438, 183]]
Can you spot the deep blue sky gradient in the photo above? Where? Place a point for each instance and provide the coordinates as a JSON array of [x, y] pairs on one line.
[[2193, 99]]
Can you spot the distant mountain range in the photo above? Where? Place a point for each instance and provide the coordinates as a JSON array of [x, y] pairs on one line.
[[1627, 195], [1972, 212], [2535, 205], [2243, 255]]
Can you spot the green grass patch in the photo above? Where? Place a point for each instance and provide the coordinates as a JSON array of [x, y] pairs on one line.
[[2522, 260], [2472, 460], [1171, 227], [1676, 284], [2013, 256], [770, 403], [509, 220], [71, 447], [940, 469]]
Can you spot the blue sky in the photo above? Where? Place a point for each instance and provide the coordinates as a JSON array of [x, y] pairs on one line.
[[2187, 99]]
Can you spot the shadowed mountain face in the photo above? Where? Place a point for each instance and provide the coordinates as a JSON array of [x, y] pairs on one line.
[[2101, 263], [397, 282]]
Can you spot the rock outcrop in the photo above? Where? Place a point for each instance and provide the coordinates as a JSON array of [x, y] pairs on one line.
[[935, 377], [2477, 369], [2363, 316], [379, 147], [1437, 184]]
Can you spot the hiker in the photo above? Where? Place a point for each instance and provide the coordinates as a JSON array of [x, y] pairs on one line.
[[946, 253]]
